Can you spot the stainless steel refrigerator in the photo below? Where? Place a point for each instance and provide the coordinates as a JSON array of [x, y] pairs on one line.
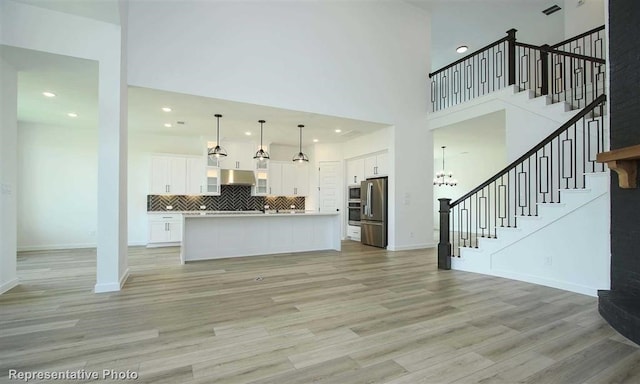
[[373, 217]]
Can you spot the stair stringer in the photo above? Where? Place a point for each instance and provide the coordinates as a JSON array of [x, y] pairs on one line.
[[566, 246]]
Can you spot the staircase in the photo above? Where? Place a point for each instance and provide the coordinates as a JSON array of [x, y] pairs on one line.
[[544, 218]]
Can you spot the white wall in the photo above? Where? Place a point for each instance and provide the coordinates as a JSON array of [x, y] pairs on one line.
[[57, 177], [364, 60], [581, 18], [8, 176], [572, 253]]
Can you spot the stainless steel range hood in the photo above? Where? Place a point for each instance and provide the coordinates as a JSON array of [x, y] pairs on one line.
[[236, 177]]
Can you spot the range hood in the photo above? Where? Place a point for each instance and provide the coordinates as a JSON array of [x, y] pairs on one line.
[[236, 177]]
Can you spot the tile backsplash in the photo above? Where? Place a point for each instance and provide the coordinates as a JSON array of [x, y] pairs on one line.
[[232, 198]]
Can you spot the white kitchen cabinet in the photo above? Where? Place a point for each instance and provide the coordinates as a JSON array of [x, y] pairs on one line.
[[196, 184], [353, 232], [287, 179], [239, 155], [165, 229], [275, 179], [261, 188], [168, 175], [301, 179], [355, 171], [376, 165], [177, 175]]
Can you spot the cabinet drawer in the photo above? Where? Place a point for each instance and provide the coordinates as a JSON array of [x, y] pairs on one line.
[[353, 232], [165, 218]]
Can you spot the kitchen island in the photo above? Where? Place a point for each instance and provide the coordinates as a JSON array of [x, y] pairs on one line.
[[217, 236]]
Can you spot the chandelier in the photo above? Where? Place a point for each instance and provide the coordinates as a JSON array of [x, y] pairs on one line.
[[442, 177]]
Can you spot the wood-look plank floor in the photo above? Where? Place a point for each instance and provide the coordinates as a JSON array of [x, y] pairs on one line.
[[363, 315]]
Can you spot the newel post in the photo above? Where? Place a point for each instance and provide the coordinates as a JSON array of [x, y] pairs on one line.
[[511, 54], [544, 70], [444, 246]]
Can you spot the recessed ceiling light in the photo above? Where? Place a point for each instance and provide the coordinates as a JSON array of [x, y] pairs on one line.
[[248, 133], [167, 125], [338, 130], [315, 140], [462, 49], [49, 94], [166, 109], [72, 114]]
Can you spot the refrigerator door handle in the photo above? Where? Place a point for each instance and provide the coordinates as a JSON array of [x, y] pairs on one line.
[[369, 192]]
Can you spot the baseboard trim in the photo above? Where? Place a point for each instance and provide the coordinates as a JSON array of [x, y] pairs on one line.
[[577, 288], [54, 247], [411, 247], [8, 285], [112, 287], [71, 246]]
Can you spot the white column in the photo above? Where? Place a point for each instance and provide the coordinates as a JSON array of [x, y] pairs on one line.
[[112, 265], [8, 175]]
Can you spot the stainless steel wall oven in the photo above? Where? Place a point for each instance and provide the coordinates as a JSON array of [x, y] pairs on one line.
[[353, 210]]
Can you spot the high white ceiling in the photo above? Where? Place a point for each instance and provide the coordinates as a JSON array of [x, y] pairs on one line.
[[476, 23], [454, 22]]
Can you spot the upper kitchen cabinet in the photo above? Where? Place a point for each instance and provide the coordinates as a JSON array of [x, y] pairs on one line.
[[355, 171], [286, 179], [376, 165], [177, 175], [239, 155], [168, 175]]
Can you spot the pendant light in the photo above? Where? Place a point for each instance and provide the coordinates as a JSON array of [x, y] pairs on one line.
[[218, 151], [443, 178], [301, 157], [261, 154]]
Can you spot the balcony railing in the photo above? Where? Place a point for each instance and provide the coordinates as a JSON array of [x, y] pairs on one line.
[[572, 71]]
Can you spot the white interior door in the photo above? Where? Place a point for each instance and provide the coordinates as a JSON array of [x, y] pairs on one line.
[[330, 193]]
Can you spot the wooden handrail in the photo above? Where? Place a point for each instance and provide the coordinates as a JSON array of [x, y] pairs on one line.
[[624, 161]]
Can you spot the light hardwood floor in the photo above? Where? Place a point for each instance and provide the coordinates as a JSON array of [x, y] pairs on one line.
[[362, 315]]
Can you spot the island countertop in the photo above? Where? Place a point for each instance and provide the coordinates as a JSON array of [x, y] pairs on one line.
[[222, 235]]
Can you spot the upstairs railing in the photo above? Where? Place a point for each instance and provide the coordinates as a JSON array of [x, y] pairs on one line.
[[566, 71], [590, 43], [560, 161]]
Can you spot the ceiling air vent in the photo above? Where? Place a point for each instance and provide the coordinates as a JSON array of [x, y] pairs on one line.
[[552, 9]]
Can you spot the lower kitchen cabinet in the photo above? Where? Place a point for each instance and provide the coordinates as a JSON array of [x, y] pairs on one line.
[[353, 232], [165, 229]]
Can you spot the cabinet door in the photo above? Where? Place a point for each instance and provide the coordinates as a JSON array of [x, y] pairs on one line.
[[159, 184], [288, 179], [239, 155], [355, 171], [262, 187], [275, 179], [213, 181], [174, 231], [301, 185], [158, 232], [370, 166], [195, 176], [178, 175], [168, 175], [382, 164]]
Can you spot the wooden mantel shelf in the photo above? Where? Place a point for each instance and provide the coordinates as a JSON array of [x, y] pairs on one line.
[[624, 162]]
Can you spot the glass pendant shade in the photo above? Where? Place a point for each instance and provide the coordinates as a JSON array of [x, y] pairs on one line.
[[301, 157], [261, 154], [218, 151]]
